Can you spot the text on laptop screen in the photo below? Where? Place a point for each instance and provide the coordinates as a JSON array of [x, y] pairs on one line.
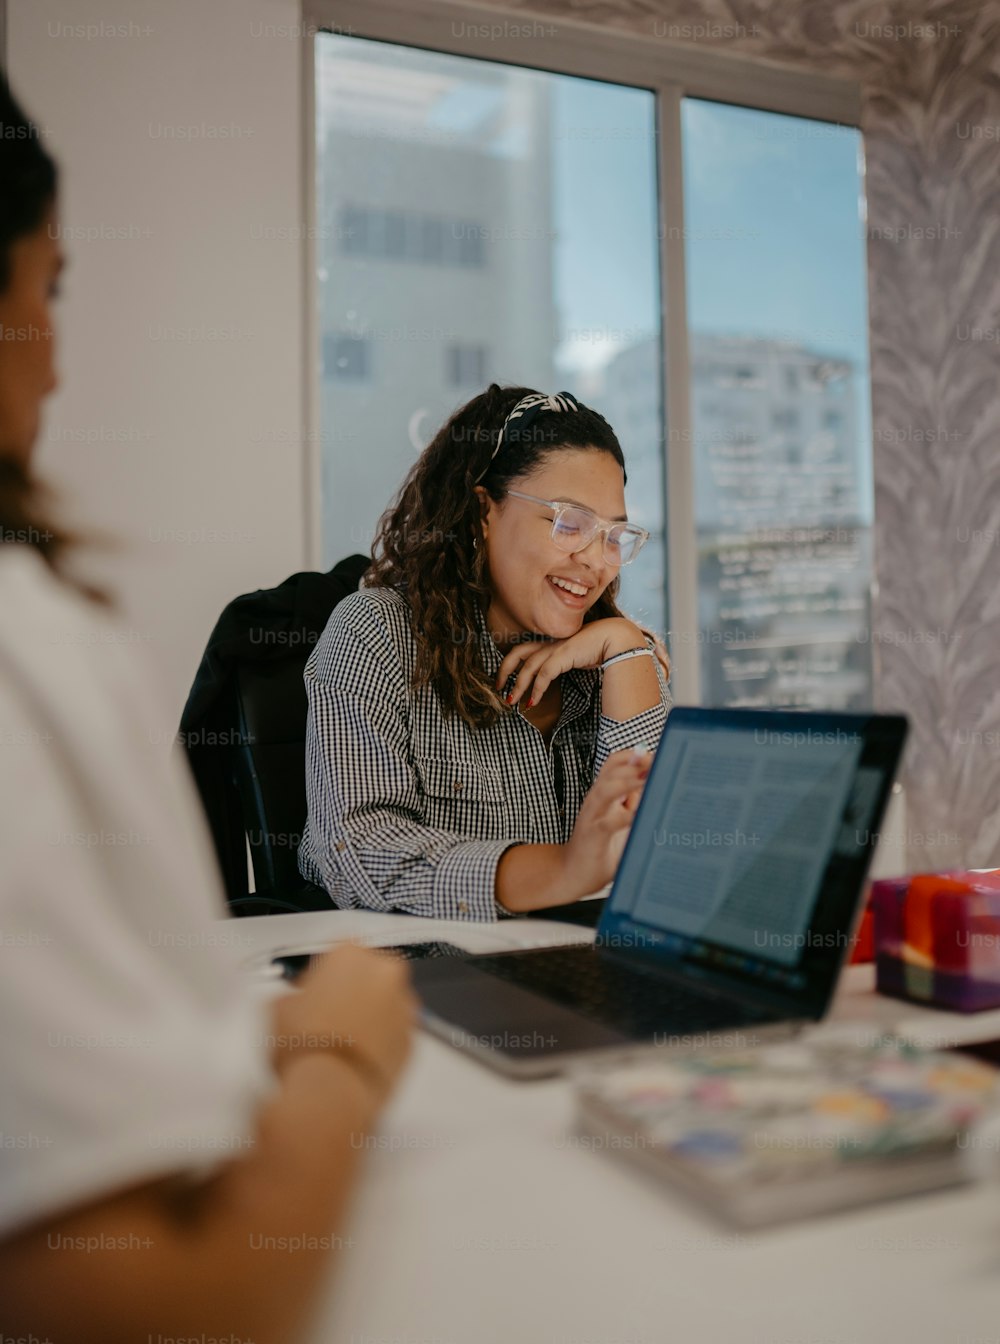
[[746, 822]]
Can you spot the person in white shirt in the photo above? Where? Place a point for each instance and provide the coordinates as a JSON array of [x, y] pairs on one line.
[[163, 1135]]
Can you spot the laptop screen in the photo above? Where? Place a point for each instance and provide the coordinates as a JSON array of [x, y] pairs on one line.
[[747, 820]]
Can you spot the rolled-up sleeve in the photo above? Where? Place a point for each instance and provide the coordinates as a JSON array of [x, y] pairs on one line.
[[365, 841], [644, 728]]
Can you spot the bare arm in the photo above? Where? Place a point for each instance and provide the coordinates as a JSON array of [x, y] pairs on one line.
[[244, 1255], [631, 686], [530, 877]]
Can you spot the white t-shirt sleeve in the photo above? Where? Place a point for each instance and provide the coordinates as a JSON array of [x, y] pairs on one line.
[[130, 1046]]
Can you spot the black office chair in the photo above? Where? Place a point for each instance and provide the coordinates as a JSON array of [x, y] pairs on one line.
[[244, 729], [269, 774]]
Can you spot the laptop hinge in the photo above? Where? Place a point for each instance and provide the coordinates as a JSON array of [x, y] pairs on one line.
[[691, 979]]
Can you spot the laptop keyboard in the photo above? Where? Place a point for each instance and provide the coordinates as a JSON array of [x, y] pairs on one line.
[[636, 1002], [294, 964]]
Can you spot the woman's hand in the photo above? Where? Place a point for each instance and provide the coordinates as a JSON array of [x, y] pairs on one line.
[[538, 665], [356, 1002], [591, 855], [530, 877]]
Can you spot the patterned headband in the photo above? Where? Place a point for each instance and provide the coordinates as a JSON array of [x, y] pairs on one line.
[[523, 416]]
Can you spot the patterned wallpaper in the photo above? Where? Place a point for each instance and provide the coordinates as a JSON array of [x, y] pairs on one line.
[[930, 75]]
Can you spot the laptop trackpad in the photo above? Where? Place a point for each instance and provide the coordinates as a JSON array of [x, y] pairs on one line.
[[486, 1013]]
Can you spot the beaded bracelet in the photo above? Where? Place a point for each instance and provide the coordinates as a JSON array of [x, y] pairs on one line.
[[628, 653]]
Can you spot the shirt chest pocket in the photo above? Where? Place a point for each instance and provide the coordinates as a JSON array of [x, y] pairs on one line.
[[458, 791]]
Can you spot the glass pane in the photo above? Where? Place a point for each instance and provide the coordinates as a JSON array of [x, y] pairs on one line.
[[775, 236], [480, 222]]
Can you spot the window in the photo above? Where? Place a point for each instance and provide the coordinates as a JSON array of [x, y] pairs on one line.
[[467, 366], [776, 291], [479, 219], [460, 233], [402, 235], [785, 417], [345, 357]]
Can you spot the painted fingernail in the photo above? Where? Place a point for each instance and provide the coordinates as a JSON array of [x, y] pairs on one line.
[[529, 704], [509, 699]]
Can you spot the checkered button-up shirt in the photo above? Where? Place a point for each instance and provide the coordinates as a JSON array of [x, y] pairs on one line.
[[410, 811]]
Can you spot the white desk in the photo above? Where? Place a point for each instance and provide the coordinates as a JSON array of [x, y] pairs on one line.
[[481, 1220]]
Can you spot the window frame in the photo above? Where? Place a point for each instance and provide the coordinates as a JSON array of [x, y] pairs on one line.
[[671, 71]]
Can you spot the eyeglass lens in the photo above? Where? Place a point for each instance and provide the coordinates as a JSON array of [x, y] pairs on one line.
[[574, 529]]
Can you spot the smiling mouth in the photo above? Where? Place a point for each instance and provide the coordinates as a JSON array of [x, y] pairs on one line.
[[575, 594]]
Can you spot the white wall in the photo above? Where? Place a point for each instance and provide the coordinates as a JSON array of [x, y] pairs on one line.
[[195, 451]]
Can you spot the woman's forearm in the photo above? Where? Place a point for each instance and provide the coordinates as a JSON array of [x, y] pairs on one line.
[[530, 877], [244, 1256]]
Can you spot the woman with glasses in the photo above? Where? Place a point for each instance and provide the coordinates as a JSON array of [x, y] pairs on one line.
[[481, 713]]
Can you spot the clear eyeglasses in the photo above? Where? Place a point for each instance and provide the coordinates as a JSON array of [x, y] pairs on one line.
[[574, 528]]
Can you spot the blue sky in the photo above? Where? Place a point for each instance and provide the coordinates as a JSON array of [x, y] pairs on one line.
[[774, 220], [790, 187], [775, 236]]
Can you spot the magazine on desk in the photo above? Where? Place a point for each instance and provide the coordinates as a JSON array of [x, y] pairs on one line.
[[776, 1132]]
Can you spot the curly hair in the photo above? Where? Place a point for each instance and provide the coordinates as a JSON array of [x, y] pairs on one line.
[[429, 542]]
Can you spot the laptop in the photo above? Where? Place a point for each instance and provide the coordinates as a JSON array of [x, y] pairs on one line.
[[731, 912]]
